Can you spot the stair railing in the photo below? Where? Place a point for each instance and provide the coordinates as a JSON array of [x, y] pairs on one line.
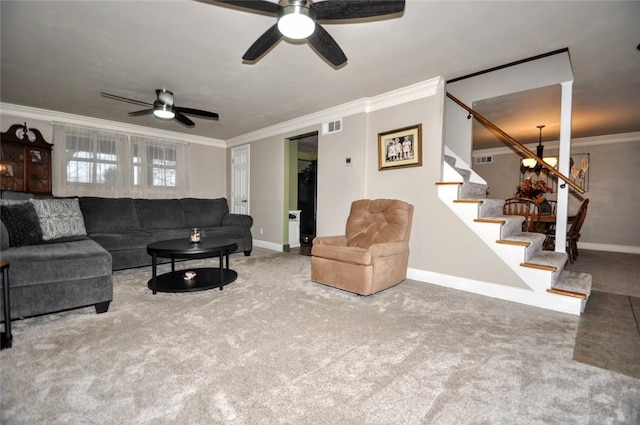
[[513, 142]]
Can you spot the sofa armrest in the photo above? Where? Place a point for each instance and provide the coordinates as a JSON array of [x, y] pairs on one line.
[[242, 220]]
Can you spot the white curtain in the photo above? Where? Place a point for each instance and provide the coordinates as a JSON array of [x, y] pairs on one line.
[[92, 162]]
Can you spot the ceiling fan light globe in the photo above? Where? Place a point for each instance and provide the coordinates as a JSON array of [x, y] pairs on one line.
[[164, 112], [295, 22]]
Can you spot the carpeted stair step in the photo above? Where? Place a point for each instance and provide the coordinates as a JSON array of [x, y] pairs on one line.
[[548, 260], [574, 284], [532, 241], [511, 224], [450, 160], [470, 190], [491, 207]]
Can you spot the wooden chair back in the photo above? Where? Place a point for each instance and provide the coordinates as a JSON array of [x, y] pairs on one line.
[[576, 225], [526, 208]]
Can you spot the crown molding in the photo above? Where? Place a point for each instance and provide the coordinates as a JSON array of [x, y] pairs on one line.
[[400, 96], [64, 118], [315, 119], [608, 139], [403, 95]]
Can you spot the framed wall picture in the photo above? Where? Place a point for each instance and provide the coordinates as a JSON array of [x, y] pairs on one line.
[[400, 148]]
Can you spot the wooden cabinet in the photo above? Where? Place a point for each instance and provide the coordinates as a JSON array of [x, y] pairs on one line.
[[25, 162]]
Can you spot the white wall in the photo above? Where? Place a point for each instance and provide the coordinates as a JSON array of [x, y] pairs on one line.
[[338, 183], [207, 171]]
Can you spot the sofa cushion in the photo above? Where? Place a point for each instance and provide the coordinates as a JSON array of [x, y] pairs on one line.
[[204, 212], [109, 214], [56, 262], [22, 224], [124, 241], [4, 234], [59, 218], [154, 214]]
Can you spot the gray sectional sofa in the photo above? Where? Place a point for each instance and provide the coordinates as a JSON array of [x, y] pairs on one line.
[[125, 226], [69, 263]]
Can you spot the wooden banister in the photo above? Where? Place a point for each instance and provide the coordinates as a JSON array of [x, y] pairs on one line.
[[513, 142]]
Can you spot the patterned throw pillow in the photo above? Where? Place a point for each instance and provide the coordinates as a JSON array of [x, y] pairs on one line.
[[22, 224], [59, 218]]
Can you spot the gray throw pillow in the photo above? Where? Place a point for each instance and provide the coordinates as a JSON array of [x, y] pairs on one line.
[[59, 218], [22, 224]]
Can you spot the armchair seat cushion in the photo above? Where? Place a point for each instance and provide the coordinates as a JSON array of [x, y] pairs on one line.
[[343, 253]]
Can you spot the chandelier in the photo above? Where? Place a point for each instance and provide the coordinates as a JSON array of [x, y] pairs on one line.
[[531, 164]]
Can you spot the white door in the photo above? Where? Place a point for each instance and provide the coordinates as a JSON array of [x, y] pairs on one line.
[[240, 180]]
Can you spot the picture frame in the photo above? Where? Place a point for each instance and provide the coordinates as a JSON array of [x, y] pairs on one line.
[[400, 148]]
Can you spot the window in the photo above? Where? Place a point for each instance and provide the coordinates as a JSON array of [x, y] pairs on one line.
[[102, 163], [154, 163], [91, 161]]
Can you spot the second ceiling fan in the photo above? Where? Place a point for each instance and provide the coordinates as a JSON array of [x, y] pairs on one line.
[[297, 20], [164, 107]]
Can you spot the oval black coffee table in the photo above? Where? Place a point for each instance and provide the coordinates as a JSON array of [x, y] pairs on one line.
[[205, 277]]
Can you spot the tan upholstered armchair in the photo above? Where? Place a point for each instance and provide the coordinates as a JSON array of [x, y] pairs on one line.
[[374, 253]]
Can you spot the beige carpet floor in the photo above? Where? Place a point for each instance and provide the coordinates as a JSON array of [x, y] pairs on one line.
[[273, 348]]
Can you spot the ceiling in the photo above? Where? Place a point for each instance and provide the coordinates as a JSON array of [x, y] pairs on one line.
[[59, 55]]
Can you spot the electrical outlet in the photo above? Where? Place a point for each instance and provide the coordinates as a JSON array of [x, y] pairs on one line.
[[261, 231], [347, 161]]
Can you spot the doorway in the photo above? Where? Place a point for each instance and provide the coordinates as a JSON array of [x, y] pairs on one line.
[[306, 183]]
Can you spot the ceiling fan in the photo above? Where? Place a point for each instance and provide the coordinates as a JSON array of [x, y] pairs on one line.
[[163, 107], [297, 20]]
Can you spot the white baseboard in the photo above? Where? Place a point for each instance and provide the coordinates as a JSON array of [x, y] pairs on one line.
[[611, 248], [544, 300], [268, 245]]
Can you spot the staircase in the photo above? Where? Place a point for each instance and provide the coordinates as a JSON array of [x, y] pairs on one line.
[[551, 286]]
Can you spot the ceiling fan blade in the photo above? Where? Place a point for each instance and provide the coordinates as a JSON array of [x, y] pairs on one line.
[[197, 112], [183, 119], [139, 113], [326, 46], [263, 43], [125, 99], [353, 9], [254, 5]]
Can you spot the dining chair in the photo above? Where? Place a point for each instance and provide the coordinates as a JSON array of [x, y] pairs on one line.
[[573, 234], [526, 208], [554, 206]]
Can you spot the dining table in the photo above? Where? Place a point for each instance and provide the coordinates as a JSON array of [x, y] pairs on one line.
[[547, 222]]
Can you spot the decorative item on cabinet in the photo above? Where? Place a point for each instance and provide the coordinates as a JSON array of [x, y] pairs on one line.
[[25, 161]]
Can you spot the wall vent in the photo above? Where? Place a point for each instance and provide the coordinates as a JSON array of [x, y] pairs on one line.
[[484, 159], [332, 127]]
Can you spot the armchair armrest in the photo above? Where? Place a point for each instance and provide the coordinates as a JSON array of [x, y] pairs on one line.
[[388, 248], [330, 240]]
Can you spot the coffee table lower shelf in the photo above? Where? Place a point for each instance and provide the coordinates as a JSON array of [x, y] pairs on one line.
[[206, 278]]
